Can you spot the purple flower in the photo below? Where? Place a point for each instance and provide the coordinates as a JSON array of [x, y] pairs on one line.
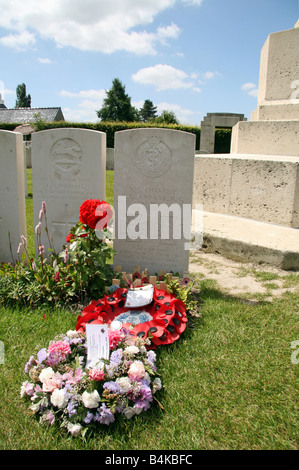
[[105, 415], [54, 358], [89, 417], [143, 397], [30, 364], [116, 358], [50, 417], [112, 387], [72, 407], [42, 355]]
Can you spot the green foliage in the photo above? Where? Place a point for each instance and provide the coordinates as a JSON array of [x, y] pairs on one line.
[[222, 140], [168, 117], [23, 100], [183, 292], [117, 105], [148, 111], [222, 136], [78, 273]]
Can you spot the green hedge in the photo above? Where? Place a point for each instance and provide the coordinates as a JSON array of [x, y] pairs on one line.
[[222, 136]]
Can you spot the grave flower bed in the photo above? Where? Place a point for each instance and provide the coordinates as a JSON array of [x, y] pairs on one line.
[[62, 385]]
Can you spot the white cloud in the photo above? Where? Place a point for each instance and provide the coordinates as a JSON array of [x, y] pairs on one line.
[[184, 115], [87, 103], [163, 77], [250, 88], [19, 41], [88, 94], [45, 60], [80, 114], [95, 25]]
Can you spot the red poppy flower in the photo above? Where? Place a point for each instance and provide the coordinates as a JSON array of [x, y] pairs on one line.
[[185, 281], [162, 296], [136, 276]]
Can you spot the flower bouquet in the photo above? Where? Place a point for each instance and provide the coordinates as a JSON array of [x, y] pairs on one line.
[[62, 389]]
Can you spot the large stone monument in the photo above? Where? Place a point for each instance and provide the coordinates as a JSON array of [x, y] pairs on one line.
[[250, 197], [274, 125], [68, 167], [12, 194], [213, 121], [153, 184]]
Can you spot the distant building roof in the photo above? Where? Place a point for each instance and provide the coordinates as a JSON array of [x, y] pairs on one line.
[[22, 115]]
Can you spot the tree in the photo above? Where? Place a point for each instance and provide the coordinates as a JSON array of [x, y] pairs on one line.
[[168, 117], [117, 105], [23, 100], [148, 111]]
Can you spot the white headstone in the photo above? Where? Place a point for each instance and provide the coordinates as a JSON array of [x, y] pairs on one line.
[[68, 167], [154, 169], [12, 193]]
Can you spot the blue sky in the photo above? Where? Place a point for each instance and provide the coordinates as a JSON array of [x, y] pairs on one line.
[[188, 56]]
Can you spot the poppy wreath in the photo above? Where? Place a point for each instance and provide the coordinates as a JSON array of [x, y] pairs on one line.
[[168, 315]]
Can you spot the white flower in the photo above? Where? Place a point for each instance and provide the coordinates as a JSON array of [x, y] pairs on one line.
[[131, 350], [129, 412], [115, 325], [59, 398], [23, 389], [137, 410], [91, 400], [46, 374], [74, 429], [71, 334], [124, 384], [157, 385]]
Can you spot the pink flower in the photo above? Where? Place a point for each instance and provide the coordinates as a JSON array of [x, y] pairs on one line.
[[136, 371], [114, 337], [59, 347], [96, 374], [50, 384], [43, 211], [57, 277], [66, 256], [41, 250], [38, 228], [24, 241]]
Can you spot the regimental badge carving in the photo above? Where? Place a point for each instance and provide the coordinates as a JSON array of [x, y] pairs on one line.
[[153, 158], [66, 155]]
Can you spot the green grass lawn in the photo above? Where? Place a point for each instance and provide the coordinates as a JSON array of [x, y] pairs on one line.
[[229, 382]]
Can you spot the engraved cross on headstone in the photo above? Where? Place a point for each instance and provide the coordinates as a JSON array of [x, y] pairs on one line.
[[63, 227]]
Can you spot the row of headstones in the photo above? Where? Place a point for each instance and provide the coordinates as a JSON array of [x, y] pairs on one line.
[[152, 166]]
